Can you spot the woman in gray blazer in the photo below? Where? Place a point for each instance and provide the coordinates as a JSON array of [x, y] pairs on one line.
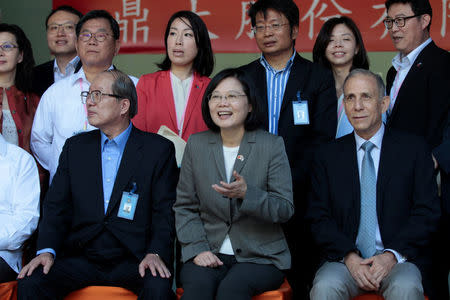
[[234, 191]]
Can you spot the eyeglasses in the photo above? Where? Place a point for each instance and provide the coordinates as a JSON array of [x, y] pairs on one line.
[[67, 27], [230, 98], [271, 27], [99, 36], [399, 21], [8, 47], [96, 96]]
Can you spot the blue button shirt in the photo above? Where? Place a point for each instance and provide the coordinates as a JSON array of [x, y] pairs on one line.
[[276, 85], [112, 151]]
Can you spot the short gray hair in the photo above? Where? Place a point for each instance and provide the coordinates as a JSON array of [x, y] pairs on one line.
[[124, 87], [380, 84]]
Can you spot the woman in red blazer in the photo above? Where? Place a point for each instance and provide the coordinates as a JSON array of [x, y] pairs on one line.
[[173, 95], [17, 101]]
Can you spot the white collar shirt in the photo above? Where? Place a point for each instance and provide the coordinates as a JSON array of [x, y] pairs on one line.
[[59, 116], [402, 65], [19, 201], [69, 70]]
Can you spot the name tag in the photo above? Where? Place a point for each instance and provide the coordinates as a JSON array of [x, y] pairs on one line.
[[128, 205], [301, 113]]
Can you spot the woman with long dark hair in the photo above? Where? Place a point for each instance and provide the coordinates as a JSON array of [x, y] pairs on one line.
[[17, 101], [340, 48], [173, 95]]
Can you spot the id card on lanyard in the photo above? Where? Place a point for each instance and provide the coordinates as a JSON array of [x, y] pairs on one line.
[[300, 111]]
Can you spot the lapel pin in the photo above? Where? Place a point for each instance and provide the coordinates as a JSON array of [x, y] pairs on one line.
[[240, 157], [196, 86], [419, 65]]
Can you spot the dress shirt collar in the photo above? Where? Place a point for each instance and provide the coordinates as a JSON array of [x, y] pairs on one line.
[[120, 140], [2, 145], [402, 62], [376, 139], [267, 66], [72, 65], [80, 74]]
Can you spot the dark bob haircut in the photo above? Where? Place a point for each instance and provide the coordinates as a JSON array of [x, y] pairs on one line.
[[360, 60], [65, 8], [204, 61], [287, 7], [419, 7], [253, 120], [100, 14], [24, 69]]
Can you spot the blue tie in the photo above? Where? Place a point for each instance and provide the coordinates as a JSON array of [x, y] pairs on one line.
[[368, 219]]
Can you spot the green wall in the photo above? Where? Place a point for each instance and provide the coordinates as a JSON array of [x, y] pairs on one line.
[[31, 14]]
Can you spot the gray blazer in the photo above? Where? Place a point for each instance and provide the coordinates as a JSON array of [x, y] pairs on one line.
[[204, 217]]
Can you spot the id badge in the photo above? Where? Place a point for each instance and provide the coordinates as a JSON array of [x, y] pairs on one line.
[[128, 205], [301, 113]]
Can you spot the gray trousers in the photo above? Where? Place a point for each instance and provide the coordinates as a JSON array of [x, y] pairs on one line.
[[333, 281]]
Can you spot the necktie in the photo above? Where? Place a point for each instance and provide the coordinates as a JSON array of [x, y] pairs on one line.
[[368, 221]]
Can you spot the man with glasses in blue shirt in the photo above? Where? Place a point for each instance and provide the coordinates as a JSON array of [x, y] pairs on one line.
[[107, 217], [418, 83], [298, 102]]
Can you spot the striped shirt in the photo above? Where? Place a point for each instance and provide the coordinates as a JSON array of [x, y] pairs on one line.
[[276, 85]]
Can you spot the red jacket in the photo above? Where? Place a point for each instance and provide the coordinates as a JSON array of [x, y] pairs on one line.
[[23, 107], [156, 105]]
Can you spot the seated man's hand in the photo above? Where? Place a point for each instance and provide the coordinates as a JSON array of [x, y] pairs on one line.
[[155, 264], [380, 265], [360, 272], [207, 259], [45, 259]]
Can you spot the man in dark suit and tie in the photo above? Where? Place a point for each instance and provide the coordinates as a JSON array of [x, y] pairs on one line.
[[60, 27], [298, 102], [374, 203], [418, 84], [108, 214]]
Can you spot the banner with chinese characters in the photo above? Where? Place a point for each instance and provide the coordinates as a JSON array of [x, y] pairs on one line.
[[142, 22]]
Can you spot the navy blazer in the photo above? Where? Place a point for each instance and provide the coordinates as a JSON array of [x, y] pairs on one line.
[[73, 212], [44, 77], [316, 85], [407, 201]]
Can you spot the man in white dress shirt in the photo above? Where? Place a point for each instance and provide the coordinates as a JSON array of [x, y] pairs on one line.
[[19, 205], [60, 113]]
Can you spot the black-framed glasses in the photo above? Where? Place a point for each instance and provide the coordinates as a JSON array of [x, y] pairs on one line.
[[7, 47], [399, 21], [99, 36], [271, 27], [67, 27], [96, 96]]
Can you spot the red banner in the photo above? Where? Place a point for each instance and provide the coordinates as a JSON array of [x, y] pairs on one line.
[[142, 22]]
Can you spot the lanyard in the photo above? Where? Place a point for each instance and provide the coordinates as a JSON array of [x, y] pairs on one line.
[[84, 105]]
